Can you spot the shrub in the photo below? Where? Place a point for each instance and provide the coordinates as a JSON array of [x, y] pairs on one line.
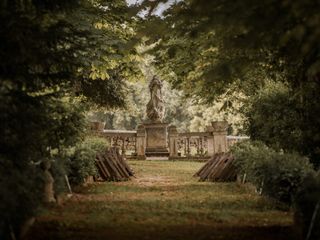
[[283, 119], [98, 144], [306, 200], [18, 200], [273, 118], [82, 162], [59, 170], [279, 174]]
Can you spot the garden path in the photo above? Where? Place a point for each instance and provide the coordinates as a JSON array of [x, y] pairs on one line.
[[165, 202]]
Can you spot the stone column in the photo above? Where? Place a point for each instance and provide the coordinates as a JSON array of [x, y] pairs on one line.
[[173, 144], [188, 147], [210, 143], [217, 139], [141, 142]]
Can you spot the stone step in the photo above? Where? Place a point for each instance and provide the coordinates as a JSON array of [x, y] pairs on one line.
[[164, 154]]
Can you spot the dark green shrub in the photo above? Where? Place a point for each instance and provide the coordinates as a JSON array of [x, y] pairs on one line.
[[278, 174], [82, 162], [98, 144], [283, 119], [32, 126], [249, 160], [60, 169], [306, 200], [273, 118], [16, 194]]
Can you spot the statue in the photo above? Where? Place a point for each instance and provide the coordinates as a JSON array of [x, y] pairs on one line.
[[48, 184], [155, 107]]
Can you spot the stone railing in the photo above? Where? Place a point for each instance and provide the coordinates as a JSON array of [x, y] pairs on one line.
[[123, 139], [199, 145], [192, 144]]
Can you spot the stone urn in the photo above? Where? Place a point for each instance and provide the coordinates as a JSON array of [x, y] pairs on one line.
[[219, 126]]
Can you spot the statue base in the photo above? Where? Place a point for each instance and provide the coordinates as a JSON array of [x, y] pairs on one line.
[[156, 140]]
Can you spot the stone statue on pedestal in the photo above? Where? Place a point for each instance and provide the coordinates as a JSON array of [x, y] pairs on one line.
[[155, 107], [153, 134]]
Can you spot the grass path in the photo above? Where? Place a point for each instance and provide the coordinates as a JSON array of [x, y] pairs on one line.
[[165, 202]]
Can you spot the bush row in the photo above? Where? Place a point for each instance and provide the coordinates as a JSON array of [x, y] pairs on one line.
[[286, 177], [77, 163], [82, 162], [278, 174]]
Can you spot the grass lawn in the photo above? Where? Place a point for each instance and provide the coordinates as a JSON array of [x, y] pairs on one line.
[[164, 201]]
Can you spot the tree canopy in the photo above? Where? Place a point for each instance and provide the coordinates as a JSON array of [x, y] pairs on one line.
[[54, 57], [210, 49], [213, 45]]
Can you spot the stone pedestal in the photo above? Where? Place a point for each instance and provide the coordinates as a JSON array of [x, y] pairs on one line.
[[210, 142], [141, 142], [173, 145], [156, 140], [217, 140]]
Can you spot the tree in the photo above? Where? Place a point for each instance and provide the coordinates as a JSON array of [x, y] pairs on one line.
[[273, 115], [211, 45], [51, 53]]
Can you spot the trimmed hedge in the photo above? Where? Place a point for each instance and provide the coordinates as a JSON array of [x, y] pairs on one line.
[[278, 174], [82, 162]]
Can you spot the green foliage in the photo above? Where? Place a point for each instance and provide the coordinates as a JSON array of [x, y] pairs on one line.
[[31, 127], [82, 161], [59, 169], [278, 174], [273, 117], [305, 205], [207, 49], [188, 114], [49, 51], [210, 46], [185, 113], [135, 111], [13, 195], [98, 144], [283, 120]]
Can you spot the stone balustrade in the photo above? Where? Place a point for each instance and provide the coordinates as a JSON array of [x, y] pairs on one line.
[[125, 140], [200, 145]]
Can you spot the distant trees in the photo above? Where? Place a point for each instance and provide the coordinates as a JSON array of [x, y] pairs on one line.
[[185, 113]]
